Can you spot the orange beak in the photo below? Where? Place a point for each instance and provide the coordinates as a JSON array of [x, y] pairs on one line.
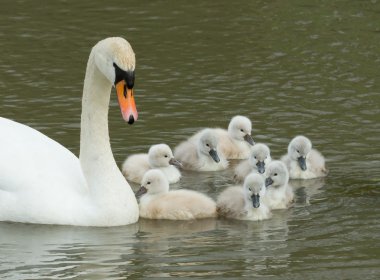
[[126, 102]]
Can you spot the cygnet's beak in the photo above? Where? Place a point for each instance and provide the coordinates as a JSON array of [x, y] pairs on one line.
[[175, 162], [142, 190], [249, 139], [255, 200], [268, 182], [302, 162], [260, 167], [214, 155], [126, 102]]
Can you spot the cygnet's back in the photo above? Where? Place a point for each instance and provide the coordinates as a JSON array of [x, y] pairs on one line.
[[302, 161], [279, 194], [201, 152], [157, 202], [244, 203], [258, 160], [159, 156]]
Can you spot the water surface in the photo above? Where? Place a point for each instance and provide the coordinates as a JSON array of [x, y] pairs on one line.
[[292, 67]]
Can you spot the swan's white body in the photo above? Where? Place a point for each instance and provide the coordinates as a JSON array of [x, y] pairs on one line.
[[160, 203], [314, 161], [43, 182], [279, 194], [194, 152], [159, 157], [236, 202], [260, 154]]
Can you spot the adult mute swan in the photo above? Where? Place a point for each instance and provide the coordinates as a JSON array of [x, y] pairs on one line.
[[244, 203], [157, 202], [43, 182], [159, 156], [302, 161]]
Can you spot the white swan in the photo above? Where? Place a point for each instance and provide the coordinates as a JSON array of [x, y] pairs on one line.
[[201, 152], [43, 182], [159, 156], [157, 202], [258, 160], [244, 203], [279, 194], [302, 161]]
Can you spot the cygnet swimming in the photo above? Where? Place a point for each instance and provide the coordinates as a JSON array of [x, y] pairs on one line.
[[302, 161], [157, 202], [279, 194], [244, 203], [160, 156], [201, 152], [258, 160]]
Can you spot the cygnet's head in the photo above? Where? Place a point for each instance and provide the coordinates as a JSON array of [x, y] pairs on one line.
[[260, 157], [208, 143], [240, 128], [298, 150], [161, 155], [254, 188], [276, 174], [115, 59], [153, 182]]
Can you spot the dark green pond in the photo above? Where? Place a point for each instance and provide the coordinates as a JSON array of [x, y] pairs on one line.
[[292, 67]]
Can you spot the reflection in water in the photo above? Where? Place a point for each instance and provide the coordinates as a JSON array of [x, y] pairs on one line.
[[291, 68]]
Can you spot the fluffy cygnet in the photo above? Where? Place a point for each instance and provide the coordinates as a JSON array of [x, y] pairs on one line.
[[302, 161], [160, 156], [279, 194], [258, 160], [201, 152], [244, 203], [157, 202], [236, 142]]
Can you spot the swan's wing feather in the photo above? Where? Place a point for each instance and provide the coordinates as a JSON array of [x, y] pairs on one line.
[[32, 161]]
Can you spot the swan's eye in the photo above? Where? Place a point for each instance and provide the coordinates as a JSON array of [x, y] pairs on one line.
[[275, 174], [207, 145], [148, 183], [298, 151], [166, 155], [249, 189], [255, 157], [242, 130]]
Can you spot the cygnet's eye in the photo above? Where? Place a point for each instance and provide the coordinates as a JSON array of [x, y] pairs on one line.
[[275, 174], [148, 183], [166, 155], [298, 151], [242, 130], [255, 157], [249, 189], [207, 145]]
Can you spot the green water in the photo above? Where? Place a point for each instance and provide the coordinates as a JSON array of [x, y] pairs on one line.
[[292, 67]]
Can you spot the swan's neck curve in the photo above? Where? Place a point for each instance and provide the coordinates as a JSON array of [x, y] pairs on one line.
[[106, 184]]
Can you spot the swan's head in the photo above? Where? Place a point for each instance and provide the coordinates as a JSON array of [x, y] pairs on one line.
[[114, 57], [260, 157], [153, 182], [276, 174], [254, 188], [298, 150], [161, 155], [240, 128], [208, 143]]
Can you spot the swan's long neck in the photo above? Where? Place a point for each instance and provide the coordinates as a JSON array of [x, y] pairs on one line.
[[105, 181]]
